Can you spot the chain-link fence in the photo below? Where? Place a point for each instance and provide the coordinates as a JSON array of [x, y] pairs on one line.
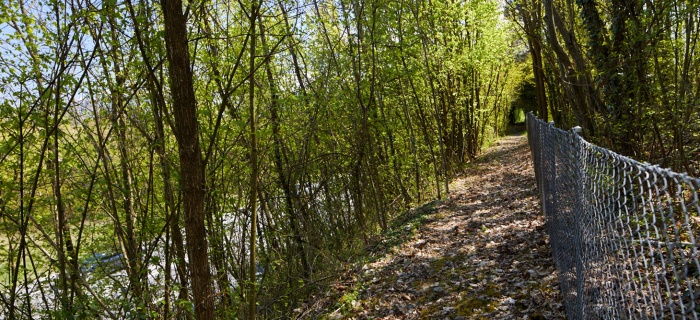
[[623, 233]]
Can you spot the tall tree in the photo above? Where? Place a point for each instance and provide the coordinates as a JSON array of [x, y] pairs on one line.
[[252, 301], [191, 163]]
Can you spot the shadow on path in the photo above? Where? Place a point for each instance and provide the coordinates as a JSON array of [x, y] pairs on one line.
[[481, 254]]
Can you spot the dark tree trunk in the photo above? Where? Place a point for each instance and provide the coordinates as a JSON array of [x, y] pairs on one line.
[[191, 164], [531, 14]]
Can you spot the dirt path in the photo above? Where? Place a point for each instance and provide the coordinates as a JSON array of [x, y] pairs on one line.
[[483, 254]]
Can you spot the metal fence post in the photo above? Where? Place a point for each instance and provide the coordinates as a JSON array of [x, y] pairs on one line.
[[579, 212], [550, 176]]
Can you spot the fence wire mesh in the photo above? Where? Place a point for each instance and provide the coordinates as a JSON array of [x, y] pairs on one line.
[[623, 233]]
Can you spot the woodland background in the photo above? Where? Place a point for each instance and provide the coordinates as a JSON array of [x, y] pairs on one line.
[[233, 152]]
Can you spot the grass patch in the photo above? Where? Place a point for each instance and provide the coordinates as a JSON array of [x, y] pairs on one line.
[[472, 305], [404, 226]]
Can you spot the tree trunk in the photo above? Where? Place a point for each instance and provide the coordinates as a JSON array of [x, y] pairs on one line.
[[530, 11], [278, 146], [191, 164], [254, 170]]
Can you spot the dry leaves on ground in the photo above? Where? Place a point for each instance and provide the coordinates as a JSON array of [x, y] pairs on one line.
[[482, 254]]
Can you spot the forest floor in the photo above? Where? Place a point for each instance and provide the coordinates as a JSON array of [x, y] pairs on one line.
[[481, 254]]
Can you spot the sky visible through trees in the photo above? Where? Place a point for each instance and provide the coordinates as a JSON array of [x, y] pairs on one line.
[[137, 137]]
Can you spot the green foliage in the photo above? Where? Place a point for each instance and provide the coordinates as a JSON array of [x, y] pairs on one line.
[[625, 73], [365, 109]]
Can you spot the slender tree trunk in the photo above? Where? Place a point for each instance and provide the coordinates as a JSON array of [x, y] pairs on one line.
[[132, 256], [531, 23], [61, 227], [278, 147], [436, 113], [252, 308], [407, 112], [191, 163], [172, 214]]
